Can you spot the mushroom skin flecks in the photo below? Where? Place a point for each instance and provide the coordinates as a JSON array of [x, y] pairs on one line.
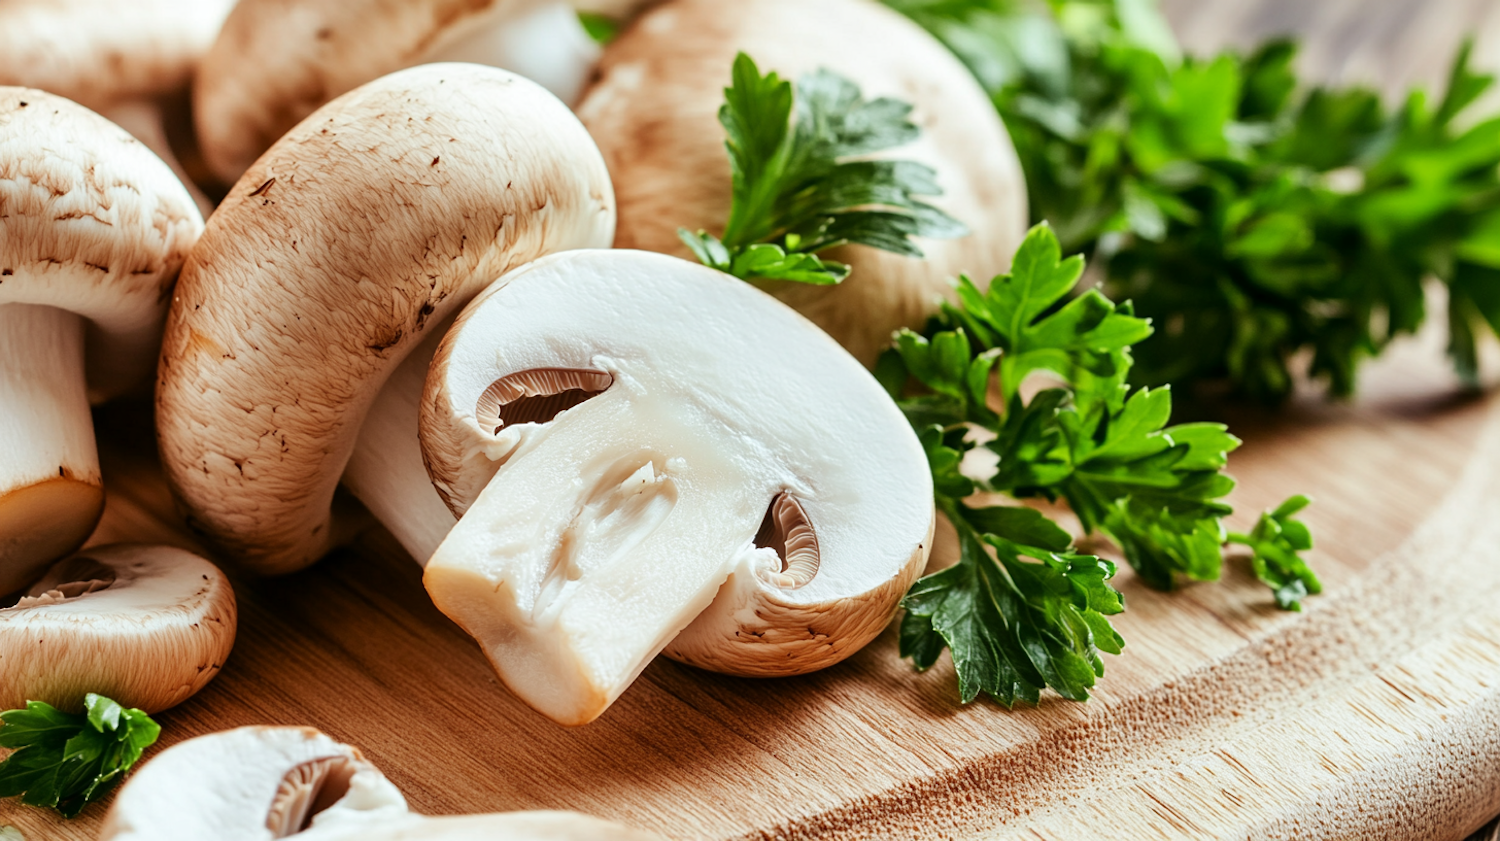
[[590, 539], [93, 230], [147, 626], [261, 783], [350, 240], [654, 111], [276, 61]]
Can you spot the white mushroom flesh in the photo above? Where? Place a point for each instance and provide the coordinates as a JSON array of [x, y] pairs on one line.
[[547, 45], [605, 530], [147, 626]]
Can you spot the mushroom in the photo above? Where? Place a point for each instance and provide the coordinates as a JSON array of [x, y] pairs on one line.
[[114, 56], [653, 111], [356, 236], [277, 60], [258, 783], [626, 435], [148, 626], [93, 229]]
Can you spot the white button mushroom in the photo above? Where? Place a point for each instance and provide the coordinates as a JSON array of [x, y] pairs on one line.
[[353, 238], [654, 113], [616, 428], [261, 783], [113, 56], [147, 626], [93, 230], [277, 60]]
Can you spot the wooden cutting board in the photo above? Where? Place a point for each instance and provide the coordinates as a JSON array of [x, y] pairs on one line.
[[1374, 714]]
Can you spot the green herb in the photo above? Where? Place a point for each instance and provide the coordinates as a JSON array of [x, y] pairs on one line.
[[601, 28], [1016, 625], [802, 187], [63, 761], [1253, 219]]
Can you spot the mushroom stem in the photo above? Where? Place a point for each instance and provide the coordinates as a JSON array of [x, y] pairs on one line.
[[386, 471], [547, 45], [51, 493]]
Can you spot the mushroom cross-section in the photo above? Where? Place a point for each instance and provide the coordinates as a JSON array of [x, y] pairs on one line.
[[147, 626], [262, 783], [654, 109], [690, 409], [276, 61], [93, 230], [350, 241]]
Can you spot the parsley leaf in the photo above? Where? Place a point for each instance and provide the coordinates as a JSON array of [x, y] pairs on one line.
[[806, 185], [1022, 610], [1256, 220], [64, 761], [1274, 543]]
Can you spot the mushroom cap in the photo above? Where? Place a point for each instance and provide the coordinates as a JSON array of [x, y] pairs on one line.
[[370, 222], [654, 111], [275, 61], [91, 222], [589, 538], [254, 784], [97, 52], [145, 625]]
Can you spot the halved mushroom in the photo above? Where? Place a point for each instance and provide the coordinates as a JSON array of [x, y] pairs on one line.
[[148, 626], [654, 109], [277, 60], [615, 428], [117, 57], [258, 783], [93, 230], [350, 241]]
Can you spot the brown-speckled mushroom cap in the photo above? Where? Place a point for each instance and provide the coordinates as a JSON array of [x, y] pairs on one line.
[[354, 235], [277, 60], [654, 111], [92, 222], [97, 52], [613, 427], [147, 626]]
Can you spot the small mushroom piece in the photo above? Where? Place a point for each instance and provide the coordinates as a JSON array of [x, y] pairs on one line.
[[255, 783], [349, 242], [93, 230], [276, 61], [654, 111], [262, 783], [613, 427], [145, 625]]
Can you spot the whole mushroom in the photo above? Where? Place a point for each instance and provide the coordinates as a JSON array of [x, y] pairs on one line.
[[276, 61], [93, 230], [639, 445], [653, 110], [261, 783], [350, 241], [148, 626], [117, 57]]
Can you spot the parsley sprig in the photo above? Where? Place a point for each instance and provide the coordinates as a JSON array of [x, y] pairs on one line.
[[804, 186], [64, 761], [1255, 219], [1023, 609]]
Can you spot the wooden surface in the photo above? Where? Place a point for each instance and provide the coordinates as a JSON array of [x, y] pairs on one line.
[[1375, 714]]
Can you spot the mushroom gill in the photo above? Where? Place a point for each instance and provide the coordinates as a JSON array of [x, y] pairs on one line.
[[787, 530], [74, 577], [306, 790], [537, 395]]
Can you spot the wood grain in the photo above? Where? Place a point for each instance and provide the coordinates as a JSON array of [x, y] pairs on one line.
[[1374, 714]]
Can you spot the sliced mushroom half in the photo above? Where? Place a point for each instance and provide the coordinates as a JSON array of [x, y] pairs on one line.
[[145, 625], [631, 439]]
